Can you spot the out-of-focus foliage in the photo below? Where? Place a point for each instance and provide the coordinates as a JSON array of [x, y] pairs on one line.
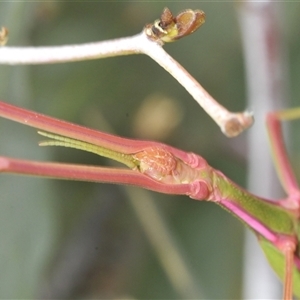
[[67, 239]]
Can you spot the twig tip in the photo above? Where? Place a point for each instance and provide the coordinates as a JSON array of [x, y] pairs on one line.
[[237, 123]]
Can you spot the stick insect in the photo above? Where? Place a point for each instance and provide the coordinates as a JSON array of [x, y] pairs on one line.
[[165, 169]]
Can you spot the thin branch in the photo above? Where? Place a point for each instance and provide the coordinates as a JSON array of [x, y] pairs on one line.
[[230, 123], [70, 53]]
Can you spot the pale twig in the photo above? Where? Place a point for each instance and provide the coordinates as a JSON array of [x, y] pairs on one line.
[[264, 65], [69, 53], [230, 123]]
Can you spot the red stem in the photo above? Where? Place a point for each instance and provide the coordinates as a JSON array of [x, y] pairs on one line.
[[81, 133], [288, 250], [284, 167], [89, 173]]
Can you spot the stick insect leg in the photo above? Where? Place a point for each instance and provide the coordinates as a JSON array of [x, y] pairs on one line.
[[289, 183], [283, 166], [288, 251]]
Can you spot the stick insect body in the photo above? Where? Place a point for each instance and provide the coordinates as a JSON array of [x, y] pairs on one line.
[[164, 169]]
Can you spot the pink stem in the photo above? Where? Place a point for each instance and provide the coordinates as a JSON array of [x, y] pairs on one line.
[[284, 168], [89, 173], [85, 134]]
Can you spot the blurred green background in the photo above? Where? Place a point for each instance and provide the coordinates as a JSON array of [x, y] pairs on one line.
[[62, 239]]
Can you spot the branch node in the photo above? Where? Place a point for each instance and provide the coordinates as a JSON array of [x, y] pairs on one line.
[[236, 124]]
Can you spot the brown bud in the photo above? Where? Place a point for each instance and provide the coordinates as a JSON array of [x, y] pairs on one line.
[[166, 18], [169, 28], [189, 21]]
